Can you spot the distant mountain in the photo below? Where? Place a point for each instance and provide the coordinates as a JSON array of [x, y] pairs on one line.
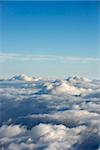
[[78, 79], [22, 77], [60, 87], [73, 79]]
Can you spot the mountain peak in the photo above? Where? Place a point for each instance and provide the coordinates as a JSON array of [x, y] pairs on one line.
[[22, 77], [78, 79]]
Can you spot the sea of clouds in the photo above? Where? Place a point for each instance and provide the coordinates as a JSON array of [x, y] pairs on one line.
[[49, 114]]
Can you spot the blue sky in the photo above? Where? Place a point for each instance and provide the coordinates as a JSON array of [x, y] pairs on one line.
[[50, 29]]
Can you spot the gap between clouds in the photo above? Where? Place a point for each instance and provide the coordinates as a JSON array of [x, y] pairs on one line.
[[31, 57]]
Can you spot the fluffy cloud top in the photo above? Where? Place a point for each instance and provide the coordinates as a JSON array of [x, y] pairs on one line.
[[49, 114]]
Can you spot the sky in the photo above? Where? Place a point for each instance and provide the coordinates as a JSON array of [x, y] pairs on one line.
[[50, 38]]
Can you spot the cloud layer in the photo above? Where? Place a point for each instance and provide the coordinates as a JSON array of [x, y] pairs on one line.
[[27, 57], [45, 114]]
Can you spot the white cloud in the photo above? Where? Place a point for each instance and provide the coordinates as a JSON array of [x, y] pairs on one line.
[[10, 131], [22, 146], [47, 114], [28, 57]]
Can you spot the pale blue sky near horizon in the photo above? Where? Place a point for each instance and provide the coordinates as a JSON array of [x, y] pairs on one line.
[[64, 28]]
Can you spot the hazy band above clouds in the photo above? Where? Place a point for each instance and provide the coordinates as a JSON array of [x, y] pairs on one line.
[[36, 57]]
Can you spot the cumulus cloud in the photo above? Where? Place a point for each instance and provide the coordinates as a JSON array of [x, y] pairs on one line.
[[49, 114], [10, 131]]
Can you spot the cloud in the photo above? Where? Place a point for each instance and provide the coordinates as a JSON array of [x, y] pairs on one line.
[[27, 57], [35, 118], [10, 131]]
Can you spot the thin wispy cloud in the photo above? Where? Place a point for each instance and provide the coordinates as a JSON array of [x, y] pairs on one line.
[[29, 57]]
